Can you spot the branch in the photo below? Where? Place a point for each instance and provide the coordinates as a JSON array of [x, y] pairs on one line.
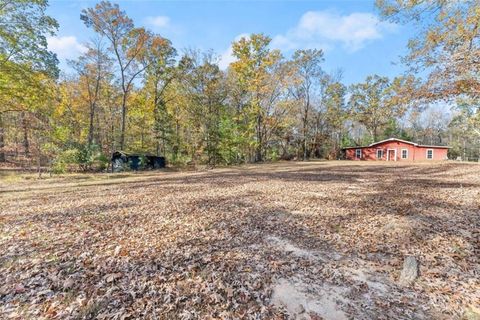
[[476, 131], [13, 110]]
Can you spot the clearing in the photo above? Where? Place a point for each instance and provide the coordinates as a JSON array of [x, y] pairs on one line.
[[314, 240]]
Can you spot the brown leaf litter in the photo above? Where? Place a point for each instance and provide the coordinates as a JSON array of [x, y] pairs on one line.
[[314, 240]]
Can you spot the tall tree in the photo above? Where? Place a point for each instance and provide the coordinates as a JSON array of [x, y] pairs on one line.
[[24, 28], [307, 74], [160, 72], [335, 113], [93, 68], [446, 47], [370, 104], [127, 43], [253, 66], [204, 86]]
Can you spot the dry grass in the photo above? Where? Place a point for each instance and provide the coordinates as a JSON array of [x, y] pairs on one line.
[[287, 240]]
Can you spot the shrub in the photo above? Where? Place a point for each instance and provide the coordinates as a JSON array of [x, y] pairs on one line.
[[91, 158], [64, 159], [82, 157], [102, 162]]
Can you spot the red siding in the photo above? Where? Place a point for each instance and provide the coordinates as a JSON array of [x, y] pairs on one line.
[[438, 153], [414, 153]]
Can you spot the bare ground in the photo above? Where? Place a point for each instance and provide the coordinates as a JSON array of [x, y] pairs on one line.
[[316, 240]]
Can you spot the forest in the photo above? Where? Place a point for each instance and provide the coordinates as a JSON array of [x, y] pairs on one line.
[[133, 91], [231, 229]]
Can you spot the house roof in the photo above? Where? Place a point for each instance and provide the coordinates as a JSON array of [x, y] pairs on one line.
[[399, 140], [393, 139]]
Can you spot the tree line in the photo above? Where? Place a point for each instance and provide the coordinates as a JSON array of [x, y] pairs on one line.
[[132, 90]]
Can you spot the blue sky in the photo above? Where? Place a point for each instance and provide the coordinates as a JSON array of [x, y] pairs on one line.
[[350, 32]]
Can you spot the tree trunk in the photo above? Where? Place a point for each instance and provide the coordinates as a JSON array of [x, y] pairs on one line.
[[39, 163], [305, 139], [26, 143], [258, 149], [123, 124], [91, 126], [112, 135], [305, 127], [2, 141]]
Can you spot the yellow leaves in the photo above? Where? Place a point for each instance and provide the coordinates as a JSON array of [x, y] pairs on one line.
[[446, 44], [433, 37], [253, 57]]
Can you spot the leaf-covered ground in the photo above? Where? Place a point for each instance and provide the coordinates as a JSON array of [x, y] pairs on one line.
[[316, 240]]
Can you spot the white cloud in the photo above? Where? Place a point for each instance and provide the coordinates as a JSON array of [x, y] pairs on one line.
[[227, 56], [325, 29], [158, 21], [66, 47]]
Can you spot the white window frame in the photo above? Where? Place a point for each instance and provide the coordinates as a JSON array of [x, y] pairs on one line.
[[427, 154], [381, 156], [356, 153], [406, 156]]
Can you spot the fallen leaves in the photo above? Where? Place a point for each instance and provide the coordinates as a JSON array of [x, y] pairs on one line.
[[19, 288], [214, 245], [113, 276]]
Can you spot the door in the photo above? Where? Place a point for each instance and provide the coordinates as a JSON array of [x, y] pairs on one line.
[[391, 155]]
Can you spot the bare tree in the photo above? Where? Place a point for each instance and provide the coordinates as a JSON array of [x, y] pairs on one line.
[[127, 43]]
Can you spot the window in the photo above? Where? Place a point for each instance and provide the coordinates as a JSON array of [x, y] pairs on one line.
[[358, 153], [404, 153], [429, 153], [379, 153]]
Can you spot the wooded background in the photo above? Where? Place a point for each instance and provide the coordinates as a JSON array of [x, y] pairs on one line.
[[133, 91]]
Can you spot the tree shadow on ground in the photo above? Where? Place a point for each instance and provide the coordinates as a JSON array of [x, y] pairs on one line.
[[188, 258]]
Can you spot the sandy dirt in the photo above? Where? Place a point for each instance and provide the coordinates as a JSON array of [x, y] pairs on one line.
[[291, 240]]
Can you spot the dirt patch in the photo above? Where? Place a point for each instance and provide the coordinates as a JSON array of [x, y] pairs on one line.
[[288, 247], [307, 297], [304, 301]]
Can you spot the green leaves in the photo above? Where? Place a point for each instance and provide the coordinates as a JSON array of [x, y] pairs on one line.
[[370, 104], [24, 28], [255, 70], [446, 46]]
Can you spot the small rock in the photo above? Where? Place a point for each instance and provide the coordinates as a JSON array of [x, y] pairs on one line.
[[67, 284], [409, 272], [113, 276], [299, 309], [19, 288]]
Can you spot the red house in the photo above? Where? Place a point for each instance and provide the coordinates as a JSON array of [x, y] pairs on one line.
[[396, 150]]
